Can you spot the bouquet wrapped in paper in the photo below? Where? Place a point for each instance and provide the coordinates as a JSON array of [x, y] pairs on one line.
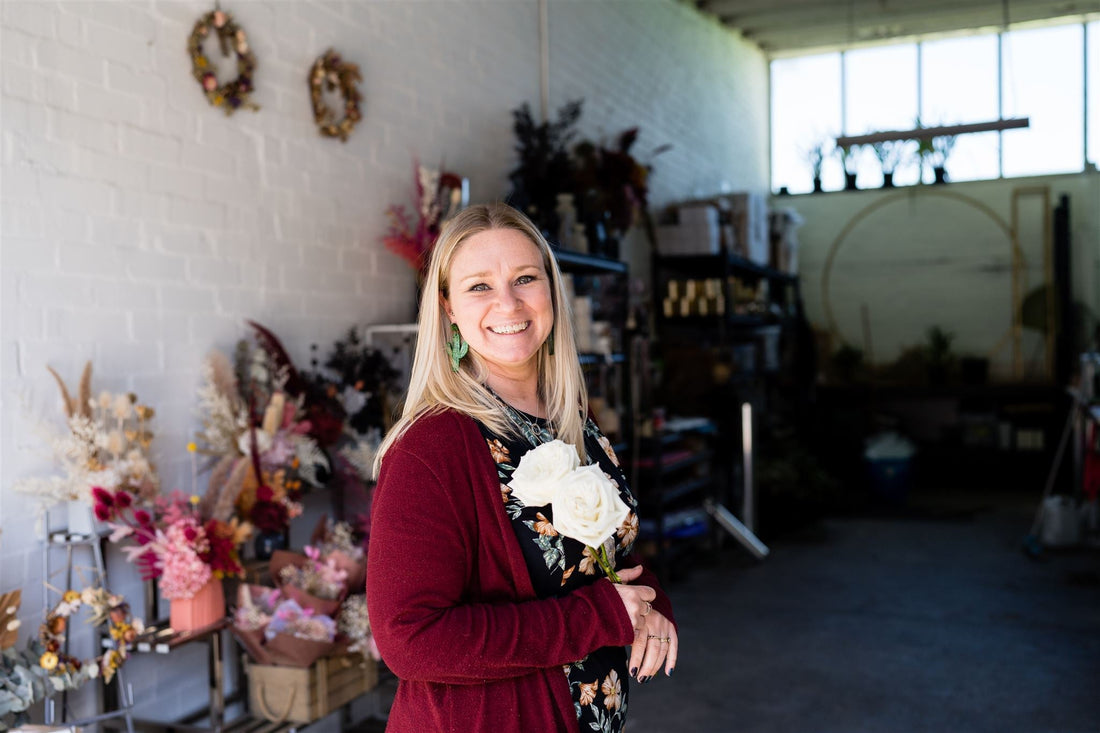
[[297, 636], [336, 541], [274, 629], [255, 606], [315, 583]]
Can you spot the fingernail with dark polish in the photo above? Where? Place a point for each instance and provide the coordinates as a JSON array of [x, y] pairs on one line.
[[669, 673], [633, 671]]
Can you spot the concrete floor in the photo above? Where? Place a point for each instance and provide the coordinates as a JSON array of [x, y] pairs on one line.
[[929, 621]]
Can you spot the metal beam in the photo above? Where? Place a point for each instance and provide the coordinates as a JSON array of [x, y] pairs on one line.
[[786, 26], [927, 133]]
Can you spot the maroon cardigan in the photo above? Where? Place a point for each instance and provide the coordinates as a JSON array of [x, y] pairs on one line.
[[451, 604]]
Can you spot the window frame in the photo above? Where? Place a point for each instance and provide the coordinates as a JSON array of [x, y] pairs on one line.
[[1087, 144]]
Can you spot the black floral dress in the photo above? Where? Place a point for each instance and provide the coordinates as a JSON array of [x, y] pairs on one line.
[[559, 565]]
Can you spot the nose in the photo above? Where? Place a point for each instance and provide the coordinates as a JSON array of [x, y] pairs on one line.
[[507, 298]]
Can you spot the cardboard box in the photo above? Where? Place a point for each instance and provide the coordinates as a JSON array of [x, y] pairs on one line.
[[305, 694], [749, 218], [697, 233]]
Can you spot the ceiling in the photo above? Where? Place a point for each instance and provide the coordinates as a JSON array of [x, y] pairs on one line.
[[791, 27]]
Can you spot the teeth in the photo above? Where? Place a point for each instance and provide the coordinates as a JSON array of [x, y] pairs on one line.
[[510, 328]]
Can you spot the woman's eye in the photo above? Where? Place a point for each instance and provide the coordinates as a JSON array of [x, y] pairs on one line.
[[480, 287], [524, 279]]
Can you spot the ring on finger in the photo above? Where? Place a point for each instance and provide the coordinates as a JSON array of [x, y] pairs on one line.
[[661, 639]]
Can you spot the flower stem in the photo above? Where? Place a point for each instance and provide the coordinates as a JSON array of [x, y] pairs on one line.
[[605, 564]]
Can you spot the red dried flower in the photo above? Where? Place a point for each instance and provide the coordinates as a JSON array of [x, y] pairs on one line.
[[102, 496], [269, 516], [123, 499]]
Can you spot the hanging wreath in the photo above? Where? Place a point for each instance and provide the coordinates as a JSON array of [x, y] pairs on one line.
[[106, 608], [331, 73], [234, 94]]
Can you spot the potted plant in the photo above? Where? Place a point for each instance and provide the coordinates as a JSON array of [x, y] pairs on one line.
[[611, 189], [940, 358], [941, 149], [816, 157], [849, 158], [889, 153], [545, 168]]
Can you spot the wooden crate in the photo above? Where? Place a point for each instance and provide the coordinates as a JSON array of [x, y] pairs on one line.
[[305, 694]]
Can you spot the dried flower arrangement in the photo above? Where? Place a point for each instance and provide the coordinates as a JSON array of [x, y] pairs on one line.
[[354, 624], [611, 182], [331, 73], [275, 629], [233, 94], [545, 166], [257, 432], [357, 383], [439, 195], [172, 542], [107, 444], [29, 676], [317, 576]]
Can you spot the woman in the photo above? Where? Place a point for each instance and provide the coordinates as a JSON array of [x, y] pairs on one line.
[[491, 620]]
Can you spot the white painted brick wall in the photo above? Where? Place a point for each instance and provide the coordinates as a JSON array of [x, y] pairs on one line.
[[140, 226]]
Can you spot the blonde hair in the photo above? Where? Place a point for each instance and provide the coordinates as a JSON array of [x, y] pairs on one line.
[[434, 386]]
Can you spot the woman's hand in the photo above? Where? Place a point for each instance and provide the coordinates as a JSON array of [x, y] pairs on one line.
[[636, 598], [657, 642], [655, 639]]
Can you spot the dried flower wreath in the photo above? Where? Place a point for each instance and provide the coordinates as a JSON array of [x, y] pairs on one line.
[[106, 608], [234, 94], [330, 73]]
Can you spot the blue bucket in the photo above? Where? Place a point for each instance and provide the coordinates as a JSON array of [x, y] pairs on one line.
[[891, 478]]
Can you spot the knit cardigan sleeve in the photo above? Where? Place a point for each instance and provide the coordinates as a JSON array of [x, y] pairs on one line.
[[443, 605]]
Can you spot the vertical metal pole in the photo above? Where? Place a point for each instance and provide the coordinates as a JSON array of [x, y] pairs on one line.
[[748, 508], [1085, 97], [544, 60], [920, 80], [1001, 102], [216, 673]]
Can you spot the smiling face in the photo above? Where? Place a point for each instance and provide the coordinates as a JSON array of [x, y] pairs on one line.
[[499, 296]]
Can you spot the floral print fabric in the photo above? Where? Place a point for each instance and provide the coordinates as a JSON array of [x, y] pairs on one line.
[[558, 565]]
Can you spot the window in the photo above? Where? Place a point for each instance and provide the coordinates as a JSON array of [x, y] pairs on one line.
[[805, 113], [880, 94], [944, 82], [959, 85], [1043, 79]]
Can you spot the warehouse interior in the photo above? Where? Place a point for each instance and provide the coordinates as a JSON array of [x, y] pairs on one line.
[[833, 272]]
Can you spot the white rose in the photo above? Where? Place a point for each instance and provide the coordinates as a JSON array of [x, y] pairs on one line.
[[587, 507], [535, 480]]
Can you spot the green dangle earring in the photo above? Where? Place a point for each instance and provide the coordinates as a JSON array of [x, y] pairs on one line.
[[456, 347]]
